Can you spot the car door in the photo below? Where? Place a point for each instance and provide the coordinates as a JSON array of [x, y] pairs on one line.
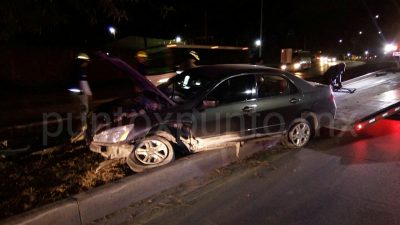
[[278, 103], [233, 111]]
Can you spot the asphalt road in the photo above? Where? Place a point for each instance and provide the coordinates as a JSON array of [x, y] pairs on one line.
[[344, 179]]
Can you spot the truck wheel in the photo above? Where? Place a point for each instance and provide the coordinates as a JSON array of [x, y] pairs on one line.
[[151, 152], [298, 134]]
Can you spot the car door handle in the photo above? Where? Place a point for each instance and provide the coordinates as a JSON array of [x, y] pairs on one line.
[[294, 100], [248, 108]]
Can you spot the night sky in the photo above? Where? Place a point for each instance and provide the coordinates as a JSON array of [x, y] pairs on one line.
[[310, 24]]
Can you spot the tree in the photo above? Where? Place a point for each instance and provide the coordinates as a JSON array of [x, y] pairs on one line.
[[34, 17]]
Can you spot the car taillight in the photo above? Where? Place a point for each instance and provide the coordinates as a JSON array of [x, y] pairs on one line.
[[331, 98]]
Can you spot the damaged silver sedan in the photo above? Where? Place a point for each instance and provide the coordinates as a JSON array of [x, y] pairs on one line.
[[205, 108]]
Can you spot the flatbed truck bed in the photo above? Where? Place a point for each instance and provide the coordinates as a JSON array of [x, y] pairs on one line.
[[377, 96]]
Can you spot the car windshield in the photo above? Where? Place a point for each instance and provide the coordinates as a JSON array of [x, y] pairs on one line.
[[186, 87]]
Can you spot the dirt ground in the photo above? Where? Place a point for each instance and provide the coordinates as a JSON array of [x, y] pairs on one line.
[[36, 180]]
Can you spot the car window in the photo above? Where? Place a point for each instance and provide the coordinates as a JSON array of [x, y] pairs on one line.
[[185, 87], [273, 85], [235, 89]]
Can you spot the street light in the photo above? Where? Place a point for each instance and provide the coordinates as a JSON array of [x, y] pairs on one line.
[[340, 41], [261, 28], [380, 32], [360, 32], [366, 52], [178, 39], [112, 31], [377, 16], [258, 42], [348, 54]]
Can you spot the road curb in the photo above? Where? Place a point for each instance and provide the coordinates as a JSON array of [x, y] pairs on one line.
[[63, 212], [86, 207]]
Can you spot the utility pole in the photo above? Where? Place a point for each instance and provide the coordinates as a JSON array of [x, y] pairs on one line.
[[205, 27], [261, 29]]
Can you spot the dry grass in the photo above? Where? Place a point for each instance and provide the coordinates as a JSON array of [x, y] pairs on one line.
[[33, 181]]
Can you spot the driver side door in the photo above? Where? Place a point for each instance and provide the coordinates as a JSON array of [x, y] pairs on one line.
[[234, 111]]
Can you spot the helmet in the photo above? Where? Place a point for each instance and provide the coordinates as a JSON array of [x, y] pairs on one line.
[[83, 56], [141, 54], [194, 55]]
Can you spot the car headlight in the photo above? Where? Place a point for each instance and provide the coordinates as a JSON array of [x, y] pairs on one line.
[[113, 135], [283, 67], [297, 66]]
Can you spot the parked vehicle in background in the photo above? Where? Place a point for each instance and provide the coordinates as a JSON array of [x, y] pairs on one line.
[[295, 60], [163, 62], [205, 108]]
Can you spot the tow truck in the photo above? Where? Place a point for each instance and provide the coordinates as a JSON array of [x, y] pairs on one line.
[[377, 97]]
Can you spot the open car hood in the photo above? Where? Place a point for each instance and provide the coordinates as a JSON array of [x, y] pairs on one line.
[[137, 77]]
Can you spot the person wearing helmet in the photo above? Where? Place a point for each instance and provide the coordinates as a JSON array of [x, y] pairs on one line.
[[80, 86], [190, 61], [140, 62]]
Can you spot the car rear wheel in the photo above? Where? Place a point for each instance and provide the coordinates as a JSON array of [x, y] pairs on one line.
[[153, 151], [298, 134]]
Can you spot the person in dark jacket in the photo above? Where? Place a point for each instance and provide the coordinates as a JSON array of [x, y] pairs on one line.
[[334, 75]]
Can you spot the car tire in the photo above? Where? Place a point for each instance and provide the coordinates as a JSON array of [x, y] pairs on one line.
[[298, 134], [151, 152]]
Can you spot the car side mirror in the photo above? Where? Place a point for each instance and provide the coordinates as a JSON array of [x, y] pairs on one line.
[[210, 103]]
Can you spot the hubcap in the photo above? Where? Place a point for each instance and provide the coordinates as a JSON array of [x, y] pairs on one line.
[[151, 152], [300, 134]]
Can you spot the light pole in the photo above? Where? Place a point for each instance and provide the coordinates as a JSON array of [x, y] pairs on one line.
[[261, 30]]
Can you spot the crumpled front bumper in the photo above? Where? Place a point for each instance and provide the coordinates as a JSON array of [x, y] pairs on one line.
[[112, 151]]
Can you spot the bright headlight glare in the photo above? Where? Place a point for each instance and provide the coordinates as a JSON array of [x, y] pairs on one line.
[[114, 135], [390, 48], [297, 66], [74, 90]]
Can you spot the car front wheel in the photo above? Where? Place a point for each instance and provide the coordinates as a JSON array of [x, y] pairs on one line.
[[153, 151], [298, 134]]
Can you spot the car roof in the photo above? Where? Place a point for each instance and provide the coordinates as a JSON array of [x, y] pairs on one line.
[[225, 70], [215, 73]]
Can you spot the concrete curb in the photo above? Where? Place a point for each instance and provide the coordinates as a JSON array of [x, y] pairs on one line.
[[63, 212], [86, 207]]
